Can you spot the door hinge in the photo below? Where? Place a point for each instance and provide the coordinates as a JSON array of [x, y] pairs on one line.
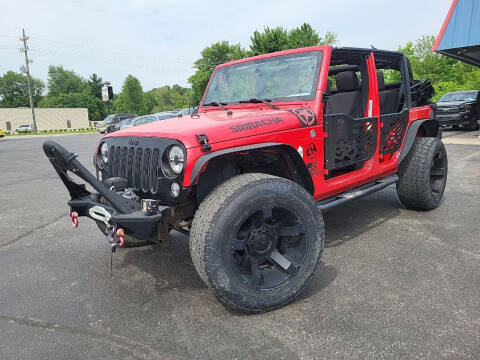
[[203, 141]]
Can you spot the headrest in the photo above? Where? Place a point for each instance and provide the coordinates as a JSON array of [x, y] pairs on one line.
[[380, 81], [347, 81]]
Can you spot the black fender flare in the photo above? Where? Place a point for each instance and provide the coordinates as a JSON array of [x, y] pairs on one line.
[[431, 127], [296, 160]]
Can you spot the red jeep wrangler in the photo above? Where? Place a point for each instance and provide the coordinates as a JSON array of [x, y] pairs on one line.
[[278, 139]]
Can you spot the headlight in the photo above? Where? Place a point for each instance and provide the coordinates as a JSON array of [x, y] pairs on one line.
[[468, 107], [104, 152], [176, 159]]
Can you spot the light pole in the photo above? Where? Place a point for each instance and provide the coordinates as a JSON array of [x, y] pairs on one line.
[[107, 95]]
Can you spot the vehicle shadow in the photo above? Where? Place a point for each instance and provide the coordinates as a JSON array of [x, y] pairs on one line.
[[350, 220], [170, 264]]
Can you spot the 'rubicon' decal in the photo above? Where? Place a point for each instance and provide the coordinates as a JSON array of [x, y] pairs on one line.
[[306, 116], [256, 124]]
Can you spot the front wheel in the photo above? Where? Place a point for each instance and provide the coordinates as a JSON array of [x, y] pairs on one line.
[[423, 174], [473, 123], [256, 241]]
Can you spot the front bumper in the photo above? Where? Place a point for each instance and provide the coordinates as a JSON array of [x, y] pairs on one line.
[[101, 129], [115, 211], [453, 119]]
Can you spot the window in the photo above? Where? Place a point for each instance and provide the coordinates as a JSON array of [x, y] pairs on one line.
[[460, 96], [279, 78], [140, 121]]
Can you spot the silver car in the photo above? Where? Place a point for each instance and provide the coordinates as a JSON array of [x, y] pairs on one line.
[[145, 119], [24, 128]]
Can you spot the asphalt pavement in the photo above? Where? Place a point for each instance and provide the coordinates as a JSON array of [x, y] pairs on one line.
[[393, 283]]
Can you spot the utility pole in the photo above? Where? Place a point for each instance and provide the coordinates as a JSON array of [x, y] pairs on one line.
[[26, 69]]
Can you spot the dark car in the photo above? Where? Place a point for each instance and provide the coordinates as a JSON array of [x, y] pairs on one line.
[[102, 126], [140, 120], [459, 108]]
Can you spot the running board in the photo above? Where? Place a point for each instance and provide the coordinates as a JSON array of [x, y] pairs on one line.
[[356, 193]]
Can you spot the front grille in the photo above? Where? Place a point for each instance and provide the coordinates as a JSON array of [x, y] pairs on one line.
[[447, 110], [139, 161], [135, 165]]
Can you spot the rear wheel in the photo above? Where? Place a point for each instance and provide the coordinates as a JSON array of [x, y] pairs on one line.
[[423, 174], [256, 241]]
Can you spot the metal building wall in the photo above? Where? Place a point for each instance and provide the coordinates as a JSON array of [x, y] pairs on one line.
[[46, 118], [460, 33]]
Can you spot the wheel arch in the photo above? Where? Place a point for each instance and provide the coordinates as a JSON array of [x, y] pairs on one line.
[[419, 128], [221, 162]]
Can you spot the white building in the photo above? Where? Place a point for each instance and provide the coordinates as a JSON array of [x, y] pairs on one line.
[[46, 118]]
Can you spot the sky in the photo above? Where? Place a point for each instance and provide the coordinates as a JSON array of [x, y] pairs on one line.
[[158, 40]]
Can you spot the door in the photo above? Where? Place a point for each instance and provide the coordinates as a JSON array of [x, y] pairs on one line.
[[393, 79], [351, 119]]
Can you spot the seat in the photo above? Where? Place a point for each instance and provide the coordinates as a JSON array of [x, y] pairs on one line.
[[348, 99], [388, 98]]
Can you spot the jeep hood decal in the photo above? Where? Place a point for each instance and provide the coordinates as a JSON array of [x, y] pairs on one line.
[[219, 126]]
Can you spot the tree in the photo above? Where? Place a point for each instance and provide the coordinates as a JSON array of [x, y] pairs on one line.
[[216, 54], [445, 73], [61, 81], [84, 99], [150, 102], [330, 38], [95, 84], [278, 39], [270, 40], [302, 36], [14, 90], [131, 98]]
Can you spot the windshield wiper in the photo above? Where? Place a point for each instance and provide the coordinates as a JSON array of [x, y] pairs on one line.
[[214, 103], [265, 101]]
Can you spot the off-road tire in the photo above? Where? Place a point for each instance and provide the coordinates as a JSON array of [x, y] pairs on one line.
[[473, 124], [212, 234], [415, 188]]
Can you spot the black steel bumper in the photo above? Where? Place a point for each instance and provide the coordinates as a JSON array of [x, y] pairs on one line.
[[453, 119], [116, 210]]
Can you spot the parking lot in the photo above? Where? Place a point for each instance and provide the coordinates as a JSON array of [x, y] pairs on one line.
[[393, 283]]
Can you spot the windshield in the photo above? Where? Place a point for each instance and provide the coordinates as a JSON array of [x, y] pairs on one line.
[[108, 119], [460, 96], [168, 116], [127, 121], [280, 78]]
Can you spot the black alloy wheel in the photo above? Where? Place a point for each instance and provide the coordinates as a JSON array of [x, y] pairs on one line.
[[438, 172], [269, 248]]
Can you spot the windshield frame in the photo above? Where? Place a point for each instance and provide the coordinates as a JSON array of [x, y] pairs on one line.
[[319, 51]]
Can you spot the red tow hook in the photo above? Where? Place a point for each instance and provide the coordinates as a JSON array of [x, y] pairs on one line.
[[121, 237], [74, 218]]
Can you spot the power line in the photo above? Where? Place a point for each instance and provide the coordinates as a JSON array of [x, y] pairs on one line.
[[132, 54], [26, 69]]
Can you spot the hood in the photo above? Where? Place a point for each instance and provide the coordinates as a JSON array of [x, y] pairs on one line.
[[452, 103], [218, 126]]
